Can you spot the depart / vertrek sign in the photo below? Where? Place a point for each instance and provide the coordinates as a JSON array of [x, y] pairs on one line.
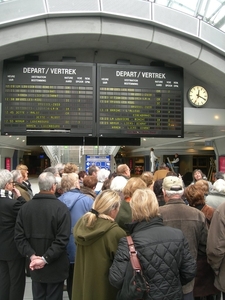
[[44, 98], [91, 100], [139, 101]]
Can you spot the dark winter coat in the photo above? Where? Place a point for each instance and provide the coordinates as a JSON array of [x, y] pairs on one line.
[[204, 280], [43, 228], [164, 256], [9, 209], [96, 248]]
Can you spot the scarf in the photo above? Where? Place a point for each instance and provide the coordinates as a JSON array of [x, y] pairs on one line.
[[6, 194]]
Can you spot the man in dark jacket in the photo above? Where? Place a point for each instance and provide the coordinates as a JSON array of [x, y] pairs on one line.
[[12, 264], [41, 233], [189, 219]]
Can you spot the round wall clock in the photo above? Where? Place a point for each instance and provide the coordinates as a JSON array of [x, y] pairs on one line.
[[197, 96]]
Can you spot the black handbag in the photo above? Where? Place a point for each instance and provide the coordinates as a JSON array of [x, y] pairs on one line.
[[135, 286]]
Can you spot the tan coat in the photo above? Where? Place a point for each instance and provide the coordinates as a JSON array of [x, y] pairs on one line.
[[23, 191], [193, 224], [160, 174], [216, 246]]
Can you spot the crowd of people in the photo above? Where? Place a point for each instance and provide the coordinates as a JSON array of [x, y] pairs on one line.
[[72, 234]]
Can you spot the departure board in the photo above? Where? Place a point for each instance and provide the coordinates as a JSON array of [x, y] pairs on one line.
[[139, 101], [44, 98]]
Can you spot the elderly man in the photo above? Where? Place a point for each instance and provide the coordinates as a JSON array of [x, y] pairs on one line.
[[191, 221], [12, 264], [123, 170], [93, 170], [42, 233]]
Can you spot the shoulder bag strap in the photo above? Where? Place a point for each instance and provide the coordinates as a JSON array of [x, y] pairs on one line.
[[133, 255]]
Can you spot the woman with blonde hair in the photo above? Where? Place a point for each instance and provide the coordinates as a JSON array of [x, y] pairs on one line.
[[24, 171], [124, 216], [70, 168], [18, 183], [147, 177], [163, 251], [96, 235]]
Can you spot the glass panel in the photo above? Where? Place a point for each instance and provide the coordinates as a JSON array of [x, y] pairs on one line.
[[20, 9], [210, 11]]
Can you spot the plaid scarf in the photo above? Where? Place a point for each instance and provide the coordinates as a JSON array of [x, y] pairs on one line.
[[5, 193]]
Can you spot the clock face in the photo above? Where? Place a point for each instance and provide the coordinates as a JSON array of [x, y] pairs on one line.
[[197, 96]]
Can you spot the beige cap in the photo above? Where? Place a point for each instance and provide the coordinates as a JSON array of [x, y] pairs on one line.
[[172, 183]]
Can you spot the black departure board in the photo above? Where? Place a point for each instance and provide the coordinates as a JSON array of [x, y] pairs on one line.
[[44, 98], [139, 101]]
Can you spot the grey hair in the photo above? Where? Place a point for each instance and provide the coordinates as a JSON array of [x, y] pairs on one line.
[[16, 175], [118, 183], [103, 174], [169, 194], [5, 177], [60, 167], [46, 181], [58, 182], [52, 170]]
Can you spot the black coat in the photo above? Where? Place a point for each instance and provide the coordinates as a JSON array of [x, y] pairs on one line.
[[164, 255], [43, 228], [9, 209]]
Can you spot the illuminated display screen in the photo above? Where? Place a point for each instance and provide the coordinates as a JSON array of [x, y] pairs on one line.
[[139, 101], [49, 98], [91, 100]]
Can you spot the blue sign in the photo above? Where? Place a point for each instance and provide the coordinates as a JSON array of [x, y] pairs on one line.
[[100, 161]]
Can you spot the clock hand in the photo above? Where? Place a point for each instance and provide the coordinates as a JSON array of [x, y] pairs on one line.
[[202, 98]]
